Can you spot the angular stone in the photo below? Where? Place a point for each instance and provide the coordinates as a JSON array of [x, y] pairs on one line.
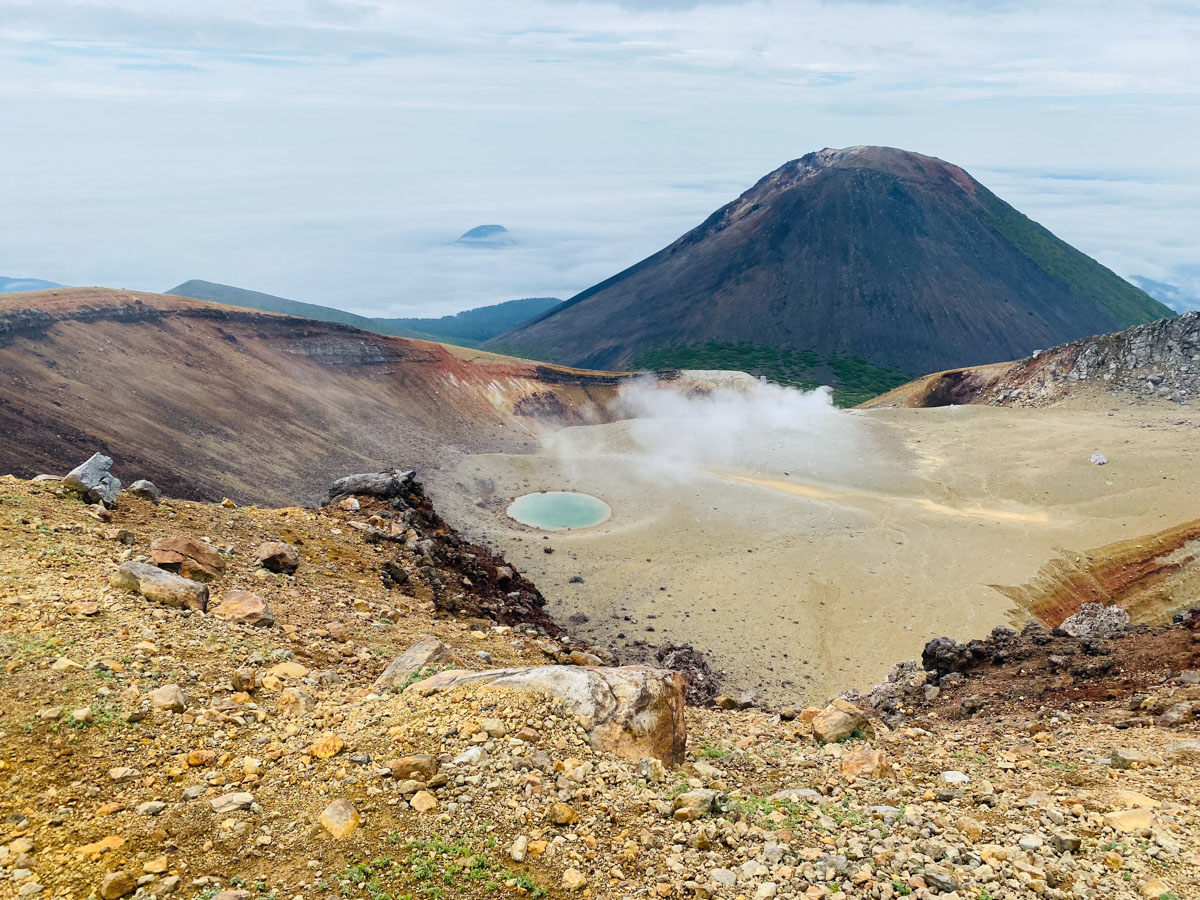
[[632, 711], [1185, 751], [561, 814], [169, 697], [289, 670], [574, 880], [116, 885], [277, 556], [691, 805], [519, 848], [840, 720], [428, 651], [421, 767], [161, 586], [244, 608], [294, 702], [93, 481], [384, 485], [1096, 622], [1130, 821], [865, 761], [188, 557], [327, 746], [340, 818], [1065, 842], [232, 802], [146, 490], [1125, 758], [423, 801]]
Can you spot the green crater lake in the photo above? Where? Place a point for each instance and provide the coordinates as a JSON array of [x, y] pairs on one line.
[[559, 510]]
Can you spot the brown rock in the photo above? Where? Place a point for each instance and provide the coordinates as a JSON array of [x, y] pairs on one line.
[[244, 608], [188, 557], [423, 801], [840, 720], [327, 747], [169, 697], [293, 670], [157, 866], [1130, 821], [633, 711], [561, 814], [202, 758], [421, 767], [116, 885], [293, 702], [340, 818], [277, 556], [574, 880], [865, 761]]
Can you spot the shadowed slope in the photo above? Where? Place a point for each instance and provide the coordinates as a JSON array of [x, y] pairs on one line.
[[901, 259], [208, 400]]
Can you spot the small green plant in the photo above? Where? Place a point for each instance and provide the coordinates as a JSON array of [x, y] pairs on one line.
[[900, 887], [707, 752]]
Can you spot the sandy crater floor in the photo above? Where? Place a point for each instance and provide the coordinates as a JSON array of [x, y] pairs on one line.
[[805, 563]]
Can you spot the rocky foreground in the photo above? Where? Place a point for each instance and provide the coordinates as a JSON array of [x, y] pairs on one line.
[[212, 701]]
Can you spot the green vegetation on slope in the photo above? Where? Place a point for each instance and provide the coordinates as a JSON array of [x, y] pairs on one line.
[[197, 289], [481, 323], [854, 380], [1125, 304]]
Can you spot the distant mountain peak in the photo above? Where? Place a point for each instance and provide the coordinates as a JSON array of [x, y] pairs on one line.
[[21, 285], [486, 236], [901, 259]]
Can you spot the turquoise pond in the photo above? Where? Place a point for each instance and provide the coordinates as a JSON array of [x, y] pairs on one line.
[[559, 510]]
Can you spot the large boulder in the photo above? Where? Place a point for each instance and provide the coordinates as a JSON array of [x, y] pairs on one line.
[[93, 481], [384, 485], [188, 557], [840, 720], [277, 556], [632, 711], [161, 586], [1096, 622], [428, 651]]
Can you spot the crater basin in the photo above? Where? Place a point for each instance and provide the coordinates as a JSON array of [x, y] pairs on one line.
[[559, 510]]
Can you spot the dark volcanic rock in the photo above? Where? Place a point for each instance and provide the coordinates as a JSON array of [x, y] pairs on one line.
[[702, 685], [384, 485]]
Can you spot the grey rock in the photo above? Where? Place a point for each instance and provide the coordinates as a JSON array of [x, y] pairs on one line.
[[940, 879], [146, 490], [93, 481], [384, 485], [161, 586], [689, 806], [428, 651], [169, 697], [1095, 621], [232, 802]]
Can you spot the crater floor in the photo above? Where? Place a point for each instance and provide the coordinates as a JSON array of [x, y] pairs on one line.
[[806, 562]]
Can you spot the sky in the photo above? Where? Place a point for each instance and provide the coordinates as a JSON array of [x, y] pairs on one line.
[[332, 151]]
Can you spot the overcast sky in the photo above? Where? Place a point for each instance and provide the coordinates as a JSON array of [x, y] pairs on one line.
[[332, 150]]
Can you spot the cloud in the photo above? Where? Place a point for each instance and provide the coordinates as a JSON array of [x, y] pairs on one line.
[[330, 150]]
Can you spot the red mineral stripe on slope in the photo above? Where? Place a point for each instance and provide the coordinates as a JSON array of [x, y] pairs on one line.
[[1151, 577]]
